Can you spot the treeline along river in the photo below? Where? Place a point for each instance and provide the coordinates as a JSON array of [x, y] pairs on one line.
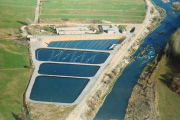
[[116, 102]]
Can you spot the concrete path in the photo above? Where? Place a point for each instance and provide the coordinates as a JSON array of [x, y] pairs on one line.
[[75, 49]]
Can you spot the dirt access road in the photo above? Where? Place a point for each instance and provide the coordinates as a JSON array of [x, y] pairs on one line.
[[78, 111], [37, 12]]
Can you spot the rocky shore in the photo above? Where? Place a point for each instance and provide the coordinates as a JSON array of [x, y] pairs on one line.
[[165, 1], [175, 6], [142, 104]]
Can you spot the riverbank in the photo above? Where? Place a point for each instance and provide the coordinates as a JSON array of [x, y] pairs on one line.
[[143, 101], [151, 97]]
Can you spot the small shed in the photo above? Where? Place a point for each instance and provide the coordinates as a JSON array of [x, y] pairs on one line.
[[123, 31], [33, 39], [110, 31], [29, 36]]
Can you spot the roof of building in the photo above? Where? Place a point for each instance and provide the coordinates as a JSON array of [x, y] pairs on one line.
[[71, 28], [110, 30], [33, 38]]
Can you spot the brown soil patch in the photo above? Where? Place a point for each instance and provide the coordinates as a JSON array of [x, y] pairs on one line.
[[39, 111]]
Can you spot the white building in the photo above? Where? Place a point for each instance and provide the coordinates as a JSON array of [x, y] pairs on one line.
[[74, 30], [110, 31], [33, 39]]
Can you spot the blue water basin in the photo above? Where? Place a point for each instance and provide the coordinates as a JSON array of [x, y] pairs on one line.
[[57, 89], [85, 44], [68, 69], [71, 56]]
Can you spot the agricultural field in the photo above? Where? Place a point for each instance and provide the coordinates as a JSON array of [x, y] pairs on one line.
[[14, 58], [13, 14], [85, 11]]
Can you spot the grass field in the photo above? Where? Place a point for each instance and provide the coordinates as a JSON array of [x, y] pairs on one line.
[[131, 11], [168, 101], [20, 57], [13, 78], [13, 13], [13, 57]]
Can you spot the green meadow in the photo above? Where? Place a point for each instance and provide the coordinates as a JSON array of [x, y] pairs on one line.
[[13, 13], [168, 101], [14, 78], [12, 52], [131, 11]]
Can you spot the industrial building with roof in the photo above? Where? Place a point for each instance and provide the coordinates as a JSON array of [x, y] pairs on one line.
[[74, 30]]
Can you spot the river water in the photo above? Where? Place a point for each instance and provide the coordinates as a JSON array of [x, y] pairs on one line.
[[116, 102]]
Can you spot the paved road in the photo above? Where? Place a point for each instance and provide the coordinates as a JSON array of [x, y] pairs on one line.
[[24, 32]]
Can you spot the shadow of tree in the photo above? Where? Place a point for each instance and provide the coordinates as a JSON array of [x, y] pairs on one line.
[[21, 22], [20, 116], [15, 116], [173, 64], [173, 67], [166, 78], [17, 101]]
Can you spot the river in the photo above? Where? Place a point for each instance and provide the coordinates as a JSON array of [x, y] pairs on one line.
[[116, 102]]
